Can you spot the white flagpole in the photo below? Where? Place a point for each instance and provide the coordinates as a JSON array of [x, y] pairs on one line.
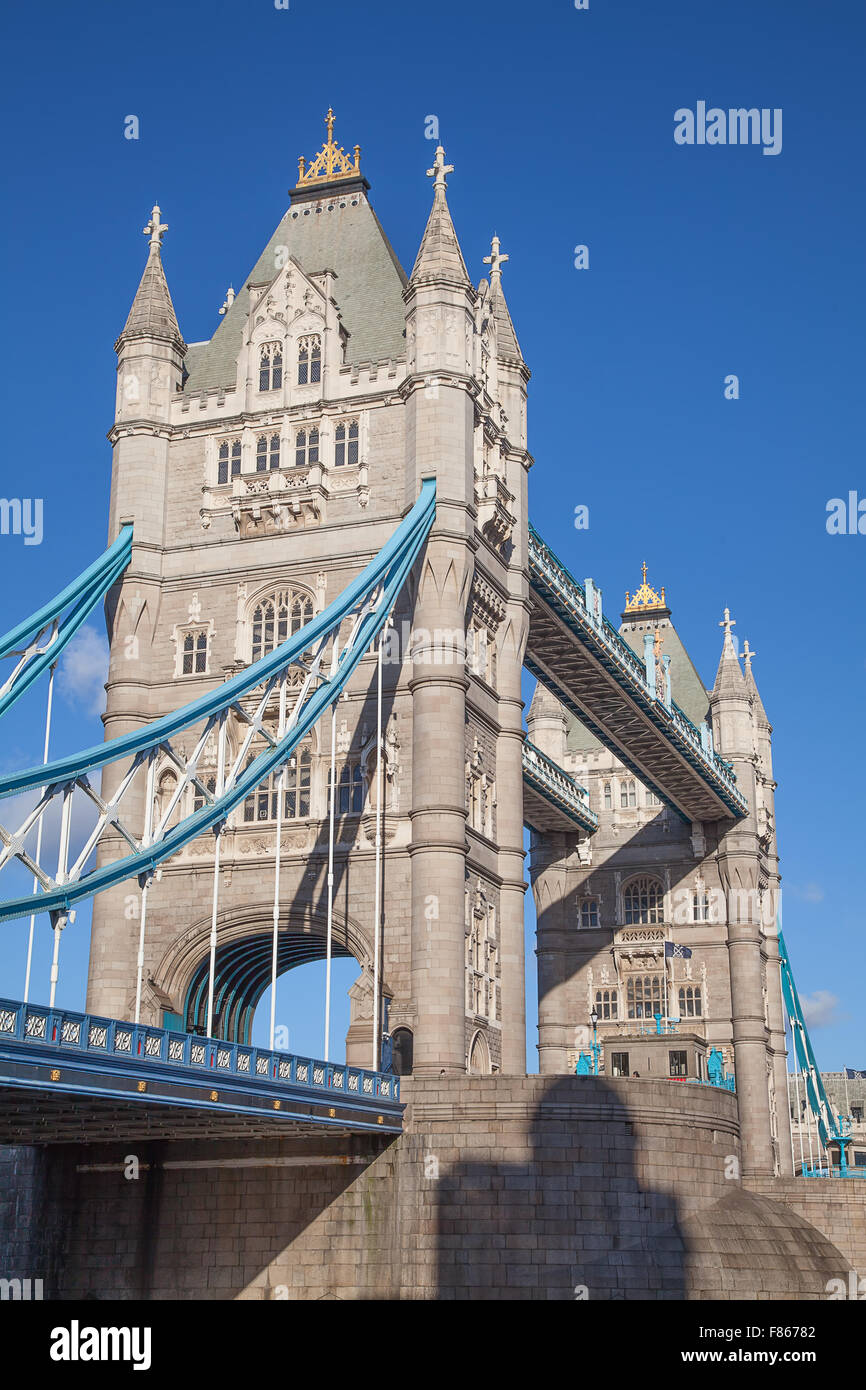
[[330, 881], [220, 779], [280, 794], [145, 882], [377, 913], [39, 834]]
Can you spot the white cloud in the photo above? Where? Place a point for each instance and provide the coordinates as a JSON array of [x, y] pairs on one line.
[[820, 1009], [84, 670]]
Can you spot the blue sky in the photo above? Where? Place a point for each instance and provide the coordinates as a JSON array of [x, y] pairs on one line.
[[703, 262]]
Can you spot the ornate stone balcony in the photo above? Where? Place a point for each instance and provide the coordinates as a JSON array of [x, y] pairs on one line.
[[265, 504]]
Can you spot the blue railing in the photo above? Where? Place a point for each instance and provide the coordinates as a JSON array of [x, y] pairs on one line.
[[832, 1171], [557, 785], [571, 596], [142, 1043]]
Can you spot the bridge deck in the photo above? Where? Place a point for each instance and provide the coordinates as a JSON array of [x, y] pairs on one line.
[[553, 800], [59, 1070], [596, 675]]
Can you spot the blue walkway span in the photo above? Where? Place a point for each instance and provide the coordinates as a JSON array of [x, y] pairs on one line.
[[58, 1053]]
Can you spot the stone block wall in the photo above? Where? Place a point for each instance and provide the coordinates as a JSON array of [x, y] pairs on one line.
[[499, 1188]]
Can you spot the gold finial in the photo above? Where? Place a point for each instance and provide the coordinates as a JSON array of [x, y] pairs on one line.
[[645, 600], [331, 163]]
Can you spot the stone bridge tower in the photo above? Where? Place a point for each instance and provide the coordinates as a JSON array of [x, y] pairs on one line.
[[262, 469], [654, 915]]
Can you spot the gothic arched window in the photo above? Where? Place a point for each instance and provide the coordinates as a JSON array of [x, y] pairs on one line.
[[627, 794], [690, 1001], [346, 444], [267, 453], [228, 460], [194, 654], [261, 804], [276, 617], [306, 447], [608, 797], [309, 361], [643, 902], [350, 790], [270, 367]]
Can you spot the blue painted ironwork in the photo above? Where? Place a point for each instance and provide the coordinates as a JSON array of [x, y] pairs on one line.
[[557, 787], [832, 1129], [39, 640], [325, 668], [553, 583], [87, 1054]]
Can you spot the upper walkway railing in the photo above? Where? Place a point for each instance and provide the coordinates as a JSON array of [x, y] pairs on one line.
[[145, 1050], [557, 786], [551, 580]]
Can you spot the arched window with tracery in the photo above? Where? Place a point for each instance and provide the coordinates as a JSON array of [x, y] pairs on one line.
[[690, 1001], [309, 360], [270, 367], [627, 794], [346, 444], [275, 617], [643, 902], [267, 453], [306, 447], [261, 804]]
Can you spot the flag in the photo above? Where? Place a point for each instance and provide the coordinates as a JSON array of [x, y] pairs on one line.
[[852, 1075], [675, 952]]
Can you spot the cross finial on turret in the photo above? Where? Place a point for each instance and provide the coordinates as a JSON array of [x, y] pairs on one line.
[[748, 656], [440, 169], [495, 260], [727, 623], [155, 228]]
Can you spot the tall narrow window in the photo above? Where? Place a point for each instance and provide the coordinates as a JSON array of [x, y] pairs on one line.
[[350, 790], [194, 656], [306, 447], [309, 361], [589, 912], [229, 460], [276, 617], [346, 446], [608, 797], [270, 367], [267, 453], [701, 905], [690, 1001]]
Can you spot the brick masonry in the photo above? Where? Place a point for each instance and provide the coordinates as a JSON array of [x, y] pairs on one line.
[[500, 1188]]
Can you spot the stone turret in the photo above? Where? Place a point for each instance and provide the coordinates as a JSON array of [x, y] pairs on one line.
[[742, 870], [150, 353], [439, 302]]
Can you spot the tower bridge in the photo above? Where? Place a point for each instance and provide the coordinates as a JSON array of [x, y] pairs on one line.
[[345, 457]]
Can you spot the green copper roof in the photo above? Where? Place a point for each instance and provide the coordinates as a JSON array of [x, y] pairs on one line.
[[340, 233]]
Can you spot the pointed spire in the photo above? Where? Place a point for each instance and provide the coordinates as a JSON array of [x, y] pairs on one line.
[[439, 256], [152, 314], [506, 338], [757, 703], [729, 677]]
